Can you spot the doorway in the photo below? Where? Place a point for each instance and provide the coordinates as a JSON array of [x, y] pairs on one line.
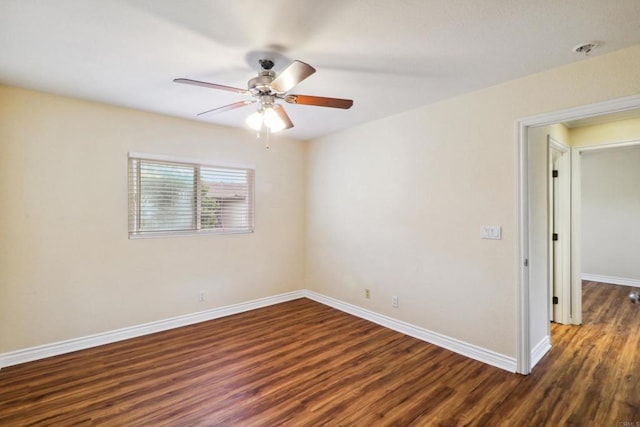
[[534, 309]]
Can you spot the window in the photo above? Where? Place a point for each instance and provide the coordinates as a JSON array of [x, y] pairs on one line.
[[174, 198]]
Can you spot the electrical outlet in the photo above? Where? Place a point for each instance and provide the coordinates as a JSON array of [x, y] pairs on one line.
[[394, 301], [201, 296], [367, 293]]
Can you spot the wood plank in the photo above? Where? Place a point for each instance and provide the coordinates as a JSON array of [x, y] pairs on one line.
[[302, 363]]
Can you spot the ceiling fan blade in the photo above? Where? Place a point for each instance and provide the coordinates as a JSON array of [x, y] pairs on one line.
[[319, 101], [279, 109], [296, 72], [228, 107], [211, 85]]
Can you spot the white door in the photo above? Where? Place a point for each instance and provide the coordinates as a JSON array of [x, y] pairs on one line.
[[555, 245], [559, 232]]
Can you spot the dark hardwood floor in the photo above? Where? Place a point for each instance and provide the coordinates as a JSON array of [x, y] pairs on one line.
[[304, 364]]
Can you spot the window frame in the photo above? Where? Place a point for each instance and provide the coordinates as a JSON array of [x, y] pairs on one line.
[[134, 195]]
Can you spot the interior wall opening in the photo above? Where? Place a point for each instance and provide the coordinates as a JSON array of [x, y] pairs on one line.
[[538, 264]]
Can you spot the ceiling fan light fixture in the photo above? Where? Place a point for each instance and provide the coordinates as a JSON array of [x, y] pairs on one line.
[[254, 121], [272, 120], [266, 117]]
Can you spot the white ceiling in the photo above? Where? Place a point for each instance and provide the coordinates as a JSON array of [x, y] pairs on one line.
[[389, 56]]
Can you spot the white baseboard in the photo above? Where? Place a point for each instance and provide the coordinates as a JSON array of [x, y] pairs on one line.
[[540, 349], [62, 347], [610, 280], [469, 350], [67, 346]]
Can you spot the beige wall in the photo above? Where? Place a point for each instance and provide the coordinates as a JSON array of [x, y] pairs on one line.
[[608, 133], [67, 268], [611, 212], [396, 205]]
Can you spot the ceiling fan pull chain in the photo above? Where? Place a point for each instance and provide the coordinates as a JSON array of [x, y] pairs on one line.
[[267, 146], [268, 137]]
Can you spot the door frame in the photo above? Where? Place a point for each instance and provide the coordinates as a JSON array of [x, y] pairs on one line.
[[576, 189], [523, 309]]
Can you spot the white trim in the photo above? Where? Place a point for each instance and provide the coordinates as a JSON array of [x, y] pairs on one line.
[[469, 350], [583, 111], [75, 344], [523, 329], [576, 237], [607, 145], [558, 145], [523, 345], [62, 347], [609, 280], [540, 349], [185, 233], [179, 159]]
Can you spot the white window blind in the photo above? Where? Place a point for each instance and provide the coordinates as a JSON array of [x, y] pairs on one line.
[[174, 198]]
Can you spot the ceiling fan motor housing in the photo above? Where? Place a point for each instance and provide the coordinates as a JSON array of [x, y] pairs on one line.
[[261, 85]]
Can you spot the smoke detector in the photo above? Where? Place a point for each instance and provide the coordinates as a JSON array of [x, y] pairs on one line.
[[585, 48]]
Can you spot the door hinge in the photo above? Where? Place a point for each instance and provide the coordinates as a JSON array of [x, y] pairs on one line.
[[526, 262], [554, 237], [554, 174], [555, 300]]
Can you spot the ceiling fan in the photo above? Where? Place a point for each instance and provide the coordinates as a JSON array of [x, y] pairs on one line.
[[266, 89]]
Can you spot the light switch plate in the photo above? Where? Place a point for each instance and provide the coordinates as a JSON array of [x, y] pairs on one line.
[[493, 232]]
